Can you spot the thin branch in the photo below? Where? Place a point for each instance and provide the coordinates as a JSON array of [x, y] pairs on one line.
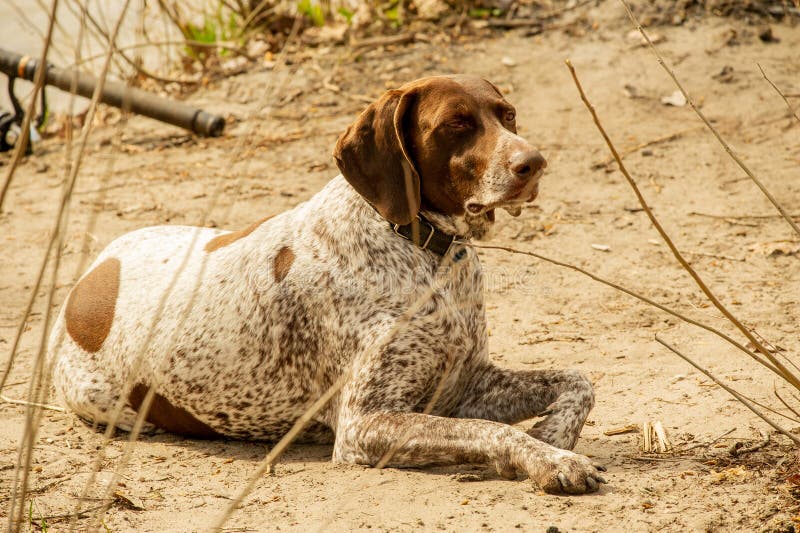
[[116, 411], [658, 140], [401, 322], [784, 372], [778, 396], [730, 391], [279, 448], [636, 295], [706, 444], [34, 404], [37, 389], [735, 217], [700, 114], [22, 143], [428, 409], [138, 68], [791, 109], [38, 83], [738, 449], [186, 42]]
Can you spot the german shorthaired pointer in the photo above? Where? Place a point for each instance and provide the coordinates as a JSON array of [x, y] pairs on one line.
[[239, 332]]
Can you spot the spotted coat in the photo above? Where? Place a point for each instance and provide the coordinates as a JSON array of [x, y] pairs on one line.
[[239, 332]]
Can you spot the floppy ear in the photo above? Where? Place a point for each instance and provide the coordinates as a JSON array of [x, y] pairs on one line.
[[372, 157]]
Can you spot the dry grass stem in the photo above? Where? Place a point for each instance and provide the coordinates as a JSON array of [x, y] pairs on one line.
[[279, 448], [31, 419], [636, 295], [785, 404], [39, 382], [137, 46], [784, 372], [121, 464], [41, 405], [786, 100], [707, 444], [738, 449], [401, 322], [110, 41], [428, 408], [658, 140], [730, 391], [700, 114], [772, 410], [38, 82]]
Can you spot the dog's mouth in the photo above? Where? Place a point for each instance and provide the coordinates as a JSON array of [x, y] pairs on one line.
[[512, 204]]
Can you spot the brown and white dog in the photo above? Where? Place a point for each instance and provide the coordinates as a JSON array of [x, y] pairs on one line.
[[239, 332]]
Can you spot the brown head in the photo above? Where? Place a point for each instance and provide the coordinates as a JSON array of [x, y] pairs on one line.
[[446, 146]]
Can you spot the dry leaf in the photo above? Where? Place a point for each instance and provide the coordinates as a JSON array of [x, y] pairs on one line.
[[729, 474], [675, 99]]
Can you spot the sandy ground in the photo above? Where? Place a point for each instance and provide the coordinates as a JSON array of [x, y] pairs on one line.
[[540, 316]]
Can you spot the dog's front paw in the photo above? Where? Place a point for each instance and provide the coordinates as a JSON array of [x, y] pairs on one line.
[[566, 472]]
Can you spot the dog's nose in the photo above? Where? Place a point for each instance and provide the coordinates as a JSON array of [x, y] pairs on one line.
[[525, 165]]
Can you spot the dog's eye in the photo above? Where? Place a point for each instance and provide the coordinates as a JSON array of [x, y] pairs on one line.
[[510, 116], [459, 124]]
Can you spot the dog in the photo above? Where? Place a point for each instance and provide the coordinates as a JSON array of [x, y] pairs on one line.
[[239, 332]]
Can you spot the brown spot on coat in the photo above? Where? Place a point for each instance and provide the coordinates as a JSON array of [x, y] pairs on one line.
[[91, 304], [283, 262], [170, 418], [228, 238]]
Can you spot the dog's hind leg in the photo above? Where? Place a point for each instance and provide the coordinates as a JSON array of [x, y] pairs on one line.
[[83, 387]]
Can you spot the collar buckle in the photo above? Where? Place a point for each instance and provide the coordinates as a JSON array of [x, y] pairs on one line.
[[431, 231]]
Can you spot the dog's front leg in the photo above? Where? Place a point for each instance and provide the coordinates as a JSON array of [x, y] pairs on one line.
[[414, 439], [377, 424], [511, 396]]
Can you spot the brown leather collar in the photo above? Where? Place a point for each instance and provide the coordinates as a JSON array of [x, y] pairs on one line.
[[427, 236]]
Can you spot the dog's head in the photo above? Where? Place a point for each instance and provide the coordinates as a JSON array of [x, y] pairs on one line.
[[446, 146]]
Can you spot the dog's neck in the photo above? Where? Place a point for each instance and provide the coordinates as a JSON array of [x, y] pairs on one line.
[[465, 226]]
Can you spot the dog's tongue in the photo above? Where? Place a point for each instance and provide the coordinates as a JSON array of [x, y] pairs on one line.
[[490, 215], [513, 210]]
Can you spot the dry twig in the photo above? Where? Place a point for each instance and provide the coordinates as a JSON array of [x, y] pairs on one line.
[[39, 383], [791, 109], [700, 114], [738, 449], [730, 391], [735, 217], [658, 140], [33, 404], [150, 395], [784, 372], [709, 443], [401, 322], [388, 40], [38, 82], [629, 292]]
